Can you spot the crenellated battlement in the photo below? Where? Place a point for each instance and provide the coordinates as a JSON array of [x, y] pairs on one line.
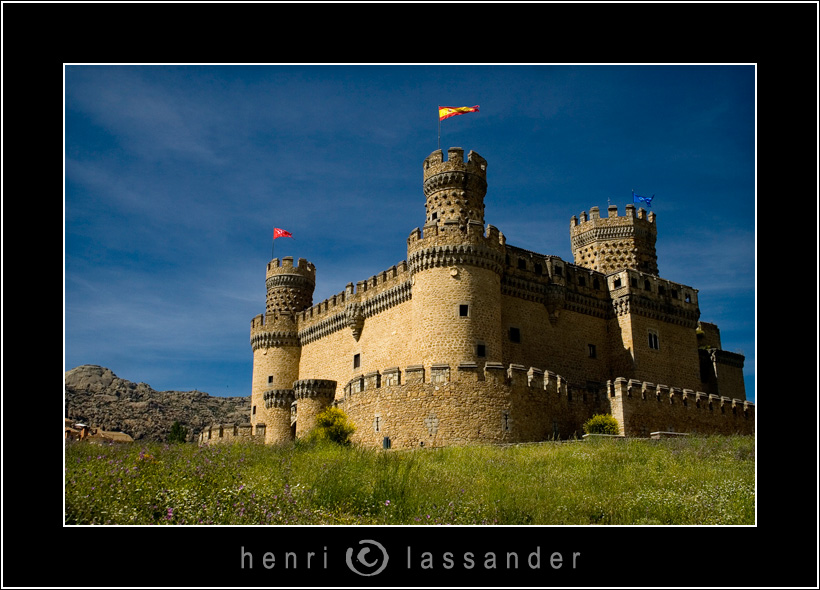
[[454, 189], [642, 407], [285, 266], [435, 164], [615, 242], [373, 295], [289, 287]]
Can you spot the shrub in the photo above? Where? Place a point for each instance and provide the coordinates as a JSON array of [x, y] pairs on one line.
[[602, 424], [178, 434], [333, 425]]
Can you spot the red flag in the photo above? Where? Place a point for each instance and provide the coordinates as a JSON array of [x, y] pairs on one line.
[[281, 233]]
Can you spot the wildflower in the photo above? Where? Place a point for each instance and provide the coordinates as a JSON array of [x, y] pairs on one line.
[[387, 503], [170, 514]]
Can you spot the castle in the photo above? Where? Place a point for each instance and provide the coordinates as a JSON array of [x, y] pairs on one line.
[[473, 340]]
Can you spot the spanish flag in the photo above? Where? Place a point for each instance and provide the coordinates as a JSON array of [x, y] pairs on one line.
[[445, 112]]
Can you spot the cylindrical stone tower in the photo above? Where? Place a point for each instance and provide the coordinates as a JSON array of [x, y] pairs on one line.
[[276, 346], [456, 268], [612, 243], [455, 189], [312, 396]]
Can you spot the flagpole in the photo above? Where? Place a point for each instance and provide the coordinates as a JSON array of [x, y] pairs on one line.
[[439, 127], [272, 244]]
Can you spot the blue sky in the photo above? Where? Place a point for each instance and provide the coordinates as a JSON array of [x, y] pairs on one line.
[[176, 175]]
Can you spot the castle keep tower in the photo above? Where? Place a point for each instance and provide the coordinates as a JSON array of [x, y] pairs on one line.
[[456, 268], [276, 346], [612, 243]]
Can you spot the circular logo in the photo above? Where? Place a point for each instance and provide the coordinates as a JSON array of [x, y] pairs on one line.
[[371, 558]]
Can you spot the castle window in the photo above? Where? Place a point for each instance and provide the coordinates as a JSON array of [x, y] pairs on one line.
[[464, 310], [270, 378], [674, 293], [687, 297], [634, 282], [593, 354], [481, 350], [616, 283], [376, 423], [661, 290], [522, 264], [357, 361], [558, 271], [434, 216], [507, 259], [582, 281], [646, 285], [515, 335], [653, 340], [505, 421], [538, 270], [253, 411], [595, 283]]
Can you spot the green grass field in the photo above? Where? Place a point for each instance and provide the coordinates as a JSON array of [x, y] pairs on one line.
[[693, 480]]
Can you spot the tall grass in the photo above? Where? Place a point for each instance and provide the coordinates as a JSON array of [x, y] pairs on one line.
[[696, 480]]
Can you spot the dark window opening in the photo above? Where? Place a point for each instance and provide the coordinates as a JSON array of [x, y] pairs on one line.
[[634, 282], [270, 378], [558, 271], [357, 361], [661, 290], [646, 285], [616, 283], [582, 281], [515, 335], [253, 411], [464, 310], [653, 340], [595, 283], [538, 270], [481, 350], [522, 264], [593, 353]]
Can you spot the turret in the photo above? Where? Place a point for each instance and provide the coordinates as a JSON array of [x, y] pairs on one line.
[[276, 346], [290, 288], [612, 243], [455, 189]]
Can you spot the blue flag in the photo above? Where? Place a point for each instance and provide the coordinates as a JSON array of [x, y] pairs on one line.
[[640, 199]]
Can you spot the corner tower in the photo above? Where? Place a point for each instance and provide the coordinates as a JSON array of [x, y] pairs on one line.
[[455, 267], [276, 346], [612, 243]]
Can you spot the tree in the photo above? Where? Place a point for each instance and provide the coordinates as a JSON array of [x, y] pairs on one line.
[[179, 434]]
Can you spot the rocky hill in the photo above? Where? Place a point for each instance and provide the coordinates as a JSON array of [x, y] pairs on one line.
[[95, 395]]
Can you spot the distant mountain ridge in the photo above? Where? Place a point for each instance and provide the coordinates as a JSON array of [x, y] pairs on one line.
[[95, 395]]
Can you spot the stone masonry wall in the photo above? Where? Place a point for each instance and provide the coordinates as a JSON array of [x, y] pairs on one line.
[[642, 408], [492, 404]]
